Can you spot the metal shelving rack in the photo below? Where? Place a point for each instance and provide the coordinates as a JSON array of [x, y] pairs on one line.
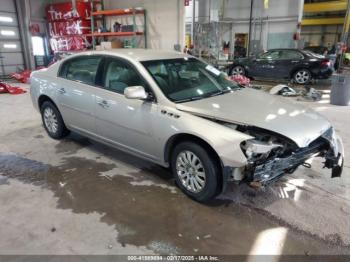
[[119, 12]]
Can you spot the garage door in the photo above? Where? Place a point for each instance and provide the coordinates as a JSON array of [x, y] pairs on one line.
[[11, 56]]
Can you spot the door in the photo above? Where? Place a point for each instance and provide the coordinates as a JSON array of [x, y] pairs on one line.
[[127, 123], [11, 53], [264, 65], [76, 92], [288, 60]]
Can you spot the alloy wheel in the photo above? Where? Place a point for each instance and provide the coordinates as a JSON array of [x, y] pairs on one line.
[[50, 120], [237, 70], [302, 76], [191, 172]]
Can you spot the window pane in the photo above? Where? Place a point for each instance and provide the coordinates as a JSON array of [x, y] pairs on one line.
[[270, 55], [119, 75], [83, 69], [188, 79], [290, 54]]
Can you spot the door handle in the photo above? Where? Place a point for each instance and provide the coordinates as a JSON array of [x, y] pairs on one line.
[[103, 103], [62, 90]]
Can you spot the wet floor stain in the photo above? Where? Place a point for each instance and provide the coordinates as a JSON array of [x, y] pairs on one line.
[[72, 145], [151, 215]]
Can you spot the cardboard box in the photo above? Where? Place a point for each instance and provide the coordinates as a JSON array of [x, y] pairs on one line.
[[111, 45]]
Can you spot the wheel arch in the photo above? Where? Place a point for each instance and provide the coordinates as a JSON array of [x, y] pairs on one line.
[[186, 137], [44, 98]]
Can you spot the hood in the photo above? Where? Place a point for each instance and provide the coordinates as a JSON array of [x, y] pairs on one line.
[[256, 108]]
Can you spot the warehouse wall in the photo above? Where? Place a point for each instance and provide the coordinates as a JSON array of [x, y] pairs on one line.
[[165, 26], [321, 35], [276, 28]]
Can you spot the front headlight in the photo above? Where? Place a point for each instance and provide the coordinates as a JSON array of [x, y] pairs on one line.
[[256, 147]]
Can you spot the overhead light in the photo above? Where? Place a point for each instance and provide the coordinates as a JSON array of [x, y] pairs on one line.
[[10, 46], [8, 32], [6, 19]]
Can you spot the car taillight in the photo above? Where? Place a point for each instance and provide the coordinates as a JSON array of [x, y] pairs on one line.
[[325, 63]]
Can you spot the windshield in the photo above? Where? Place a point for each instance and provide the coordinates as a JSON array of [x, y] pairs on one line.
[[187, 79]]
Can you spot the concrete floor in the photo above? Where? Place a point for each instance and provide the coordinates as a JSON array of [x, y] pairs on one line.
[[76, 196]]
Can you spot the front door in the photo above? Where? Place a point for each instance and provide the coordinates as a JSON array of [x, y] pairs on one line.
[[76, 92], [264, 65], [127, 123]]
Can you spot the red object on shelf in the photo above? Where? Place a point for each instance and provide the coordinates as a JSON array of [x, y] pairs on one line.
[[68, 28], [70, 43], [13, 90], [64, 11], [71, 27]]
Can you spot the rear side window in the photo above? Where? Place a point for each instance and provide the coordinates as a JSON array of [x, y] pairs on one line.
[[82, 69]]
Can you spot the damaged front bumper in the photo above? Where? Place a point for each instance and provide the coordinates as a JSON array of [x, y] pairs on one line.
[[329, 146]]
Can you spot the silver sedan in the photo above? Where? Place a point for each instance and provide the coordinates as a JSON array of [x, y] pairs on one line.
[[179, 112]]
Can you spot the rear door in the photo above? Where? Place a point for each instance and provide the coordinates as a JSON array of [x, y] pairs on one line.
[[289, 59], [76, 92]]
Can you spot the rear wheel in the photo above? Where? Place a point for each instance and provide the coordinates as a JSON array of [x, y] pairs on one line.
[[237, 70], [53, 121], [302, 76], [195, 172]]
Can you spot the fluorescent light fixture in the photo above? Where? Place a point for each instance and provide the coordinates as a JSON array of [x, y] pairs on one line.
[[6, 19], [8, 32], [10, 46]]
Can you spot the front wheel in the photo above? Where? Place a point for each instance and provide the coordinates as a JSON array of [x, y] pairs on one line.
[[302, 77], [237, 70], [195, 172]]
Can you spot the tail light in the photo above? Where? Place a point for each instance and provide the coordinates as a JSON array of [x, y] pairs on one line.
[[325, 63]]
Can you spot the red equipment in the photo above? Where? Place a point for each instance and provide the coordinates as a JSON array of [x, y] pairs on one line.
[[242, 80], [69, 29], [13, 90]]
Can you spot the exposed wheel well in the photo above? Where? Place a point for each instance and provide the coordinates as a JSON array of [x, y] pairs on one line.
[[44, 98], [176, 139]]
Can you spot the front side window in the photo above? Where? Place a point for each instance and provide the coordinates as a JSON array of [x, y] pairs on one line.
[[273, 55], [291, 54], [119, 75], [82, 69], [186, 79]]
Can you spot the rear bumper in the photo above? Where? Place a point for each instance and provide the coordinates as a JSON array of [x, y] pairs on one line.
[[324, 73]]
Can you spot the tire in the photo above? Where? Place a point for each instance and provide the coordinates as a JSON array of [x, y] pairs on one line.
[[237, 70], [204, 172], [52, 121], [302, 76]]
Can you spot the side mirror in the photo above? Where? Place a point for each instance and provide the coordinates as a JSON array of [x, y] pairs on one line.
[[135, 92]]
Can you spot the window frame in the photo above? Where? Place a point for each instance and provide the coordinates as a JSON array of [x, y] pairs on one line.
[[295, 51], [100, 73], [63, 68], [107, 59], [269, 59]]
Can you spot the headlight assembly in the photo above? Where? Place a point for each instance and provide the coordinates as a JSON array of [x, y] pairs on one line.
[[256, 147]]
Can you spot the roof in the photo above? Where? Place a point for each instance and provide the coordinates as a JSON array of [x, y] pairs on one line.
[[142, 54]]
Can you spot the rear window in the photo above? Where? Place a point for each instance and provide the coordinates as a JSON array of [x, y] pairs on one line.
[[82, 69]]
